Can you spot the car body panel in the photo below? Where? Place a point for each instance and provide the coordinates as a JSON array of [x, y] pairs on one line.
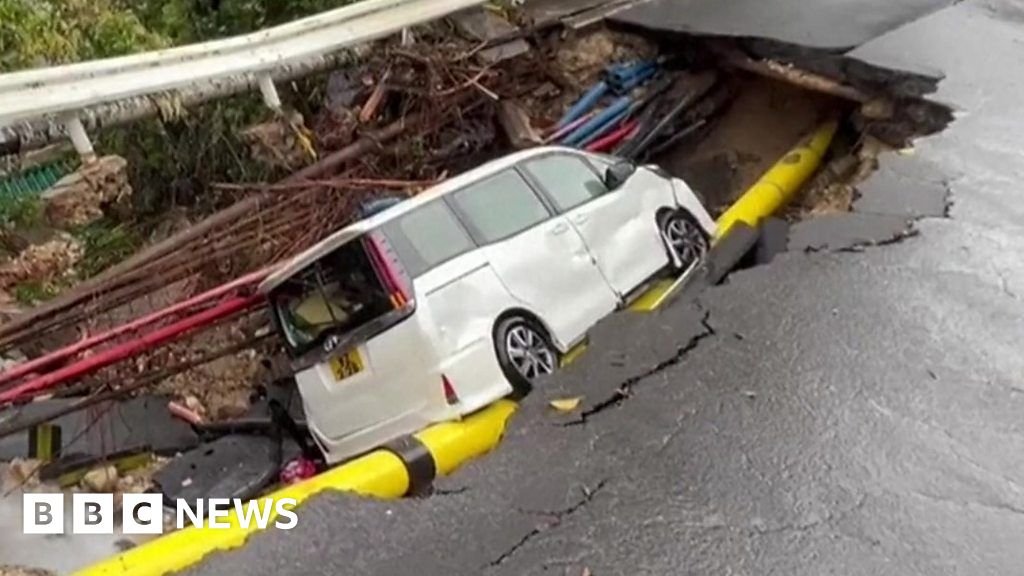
[[621, 231], [549, 269]]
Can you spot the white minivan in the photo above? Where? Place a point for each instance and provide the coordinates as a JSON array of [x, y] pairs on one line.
[[473, 289]]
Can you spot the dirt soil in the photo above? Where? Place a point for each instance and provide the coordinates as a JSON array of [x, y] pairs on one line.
[[764, 121]]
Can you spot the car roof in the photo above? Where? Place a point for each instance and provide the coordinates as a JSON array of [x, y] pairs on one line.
[[361, 227]]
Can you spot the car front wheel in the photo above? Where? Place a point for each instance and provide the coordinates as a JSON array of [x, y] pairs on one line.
[[684, 238], [524, 352]]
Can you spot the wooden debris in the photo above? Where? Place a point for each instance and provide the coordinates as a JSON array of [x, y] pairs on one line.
[[377, 98], [516, 124]]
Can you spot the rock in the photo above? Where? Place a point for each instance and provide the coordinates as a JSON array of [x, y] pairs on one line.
[[230, 404], [278, 143], [877, 109], [517, 126], [42, 262], [102, 479], [80, 197], [582, 59], [19, 473]]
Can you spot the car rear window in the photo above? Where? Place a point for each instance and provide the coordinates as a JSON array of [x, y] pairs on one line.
[[500, 206], [337, 294], [428, 236]]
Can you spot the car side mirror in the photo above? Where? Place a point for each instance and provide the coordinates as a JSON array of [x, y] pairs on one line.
[[617, 174]]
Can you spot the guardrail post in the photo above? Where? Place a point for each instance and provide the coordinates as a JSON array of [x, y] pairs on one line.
[[80, 139], [269, 92]]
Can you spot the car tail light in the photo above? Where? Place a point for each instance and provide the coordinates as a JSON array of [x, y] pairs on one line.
[[451, 397], [390, 270]]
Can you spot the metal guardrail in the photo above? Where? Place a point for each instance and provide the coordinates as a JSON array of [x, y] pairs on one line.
[[62, 91]]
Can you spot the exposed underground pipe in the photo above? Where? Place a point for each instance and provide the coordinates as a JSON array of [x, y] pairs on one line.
[[780, 183], [128, 349], [68, 351]]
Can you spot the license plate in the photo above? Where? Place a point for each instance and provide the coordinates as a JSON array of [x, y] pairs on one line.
[[346, 365]]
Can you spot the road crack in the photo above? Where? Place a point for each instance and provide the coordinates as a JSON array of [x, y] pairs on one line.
[[551, 518], [625, 389]]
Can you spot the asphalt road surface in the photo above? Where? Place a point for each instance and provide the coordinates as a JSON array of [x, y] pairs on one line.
[[853, 407]]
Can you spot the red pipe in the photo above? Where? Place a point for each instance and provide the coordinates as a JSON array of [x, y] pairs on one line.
[[128, 349], [606, 142], [41, 362]]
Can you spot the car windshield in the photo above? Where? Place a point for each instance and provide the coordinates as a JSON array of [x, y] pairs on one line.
[[334, 295]]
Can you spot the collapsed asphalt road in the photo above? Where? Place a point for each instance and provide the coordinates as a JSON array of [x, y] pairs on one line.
[[853, 407]]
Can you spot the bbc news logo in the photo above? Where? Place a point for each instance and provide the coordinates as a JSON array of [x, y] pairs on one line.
[[144, 513]]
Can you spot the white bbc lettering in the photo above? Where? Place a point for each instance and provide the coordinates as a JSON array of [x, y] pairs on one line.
[[43, 514], [195, 516], [92, 513], [258, 508], [142, 514], [284, 510], [219, 508]]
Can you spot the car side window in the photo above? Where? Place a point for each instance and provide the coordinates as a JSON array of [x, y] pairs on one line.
[[428, 236], [499, 207], [568, 180]]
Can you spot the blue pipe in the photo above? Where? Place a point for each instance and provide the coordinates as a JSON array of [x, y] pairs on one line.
[[604, 117], [625, 80], [622, 72], [584, 104], [612, 124], [635, 80]]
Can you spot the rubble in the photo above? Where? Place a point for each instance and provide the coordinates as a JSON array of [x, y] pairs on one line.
[[581, 59], [19, 474], [219, 390], [102, 479], [42, 263], [279, 143], [80, 197]]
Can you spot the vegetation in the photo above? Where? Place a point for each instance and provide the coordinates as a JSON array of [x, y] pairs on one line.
[[24, 212], [104, 242], [34, 292], [171, 161], [37, 33]]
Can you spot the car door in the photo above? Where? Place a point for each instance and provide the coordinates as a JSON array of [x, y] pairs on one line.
[[540, 258], [618, 226]]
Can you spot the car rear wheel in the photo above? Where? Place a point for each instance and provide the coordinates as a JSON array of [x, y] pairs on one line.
[[524, 352], [684, 238]]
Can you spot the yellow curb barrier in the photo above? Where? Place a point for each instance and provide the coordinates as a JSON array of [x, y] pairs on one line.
[[379, 474], [653, 297], [572, 355], [452, 444]]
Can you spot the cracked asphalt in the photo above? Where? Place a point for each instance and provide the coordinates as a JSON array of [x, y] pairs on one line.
[[853, 407]]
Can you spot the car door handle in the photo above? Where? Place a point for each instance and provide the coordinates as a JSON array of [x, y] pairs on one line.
[[560, 228], [579, 218]]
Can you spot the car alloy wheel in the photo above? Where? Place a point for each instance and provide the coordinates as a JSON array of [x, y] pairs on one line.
[[686, 240], [529, 352]]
